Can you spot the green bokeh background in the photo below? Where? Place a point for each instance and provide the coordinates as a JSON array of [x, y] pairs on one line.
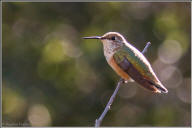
[[52, 77]]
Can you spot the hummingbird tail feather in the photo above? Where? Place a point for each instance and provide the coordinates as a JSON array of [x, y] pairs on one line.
[[161, 88], [157, 87]]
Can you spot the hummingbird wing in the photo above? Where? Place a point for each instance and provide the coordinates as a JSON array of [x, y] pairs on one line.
[[134, 63], [119, 70]]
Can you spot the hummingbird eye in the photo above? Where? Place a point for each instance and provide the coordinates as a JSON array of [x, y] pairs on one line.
[[113, 38]]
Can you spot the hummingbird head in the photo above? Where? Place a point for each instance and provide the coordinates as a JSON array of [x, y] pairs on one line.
[[113, 37], [110, 38]]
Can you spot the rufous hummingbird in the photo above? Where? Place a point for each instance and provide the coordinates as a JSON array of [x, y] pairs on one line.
[[128, 62]]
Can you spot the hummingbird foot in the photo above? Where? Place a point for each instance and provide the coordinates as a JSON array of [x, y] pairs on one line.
[[125, 81], [122, 80]]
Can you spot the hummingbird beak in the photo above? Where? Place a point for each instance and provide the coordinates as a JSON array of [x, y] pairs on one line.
[[92, 37]]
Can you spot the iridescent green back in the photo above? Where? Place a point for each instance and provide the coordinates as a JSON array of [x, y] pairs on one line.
[[137, 59]]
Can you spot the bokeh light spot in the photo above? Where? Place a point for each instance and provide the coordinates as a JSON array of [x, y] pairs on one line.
[[171, 76], [166, 22], [184, 92], [170, 51], [127, 114], [53, 52], [127, 91], [13, 103], [39, 115]]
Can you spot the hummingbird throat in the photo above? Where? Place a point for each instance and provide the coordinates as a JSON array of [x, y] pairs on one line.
[[110, 48]]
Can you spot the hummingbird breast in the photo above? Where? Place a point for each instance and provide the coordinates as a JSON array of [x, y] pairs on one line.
[[109, 48]]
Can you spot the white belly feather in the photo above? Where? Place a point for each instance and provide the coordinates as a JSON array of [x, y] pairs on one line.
[[108, 50]]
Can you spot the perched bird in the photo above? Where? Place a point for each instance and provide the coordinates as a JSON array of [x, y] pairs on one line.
[[128, 62]]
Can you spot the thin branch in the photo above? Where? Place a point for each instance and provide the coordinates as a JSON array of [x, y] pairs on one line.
[[108, 106], [146, 47], [98, 121]]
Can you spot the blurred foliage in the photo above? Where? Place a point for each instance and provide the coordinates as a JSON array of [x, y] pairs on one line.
[[52, 77]]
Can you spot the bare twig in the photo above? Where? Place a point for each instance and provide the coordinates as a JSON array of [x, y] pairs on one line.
[[107, 108], [98, 121], [146, 47]]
